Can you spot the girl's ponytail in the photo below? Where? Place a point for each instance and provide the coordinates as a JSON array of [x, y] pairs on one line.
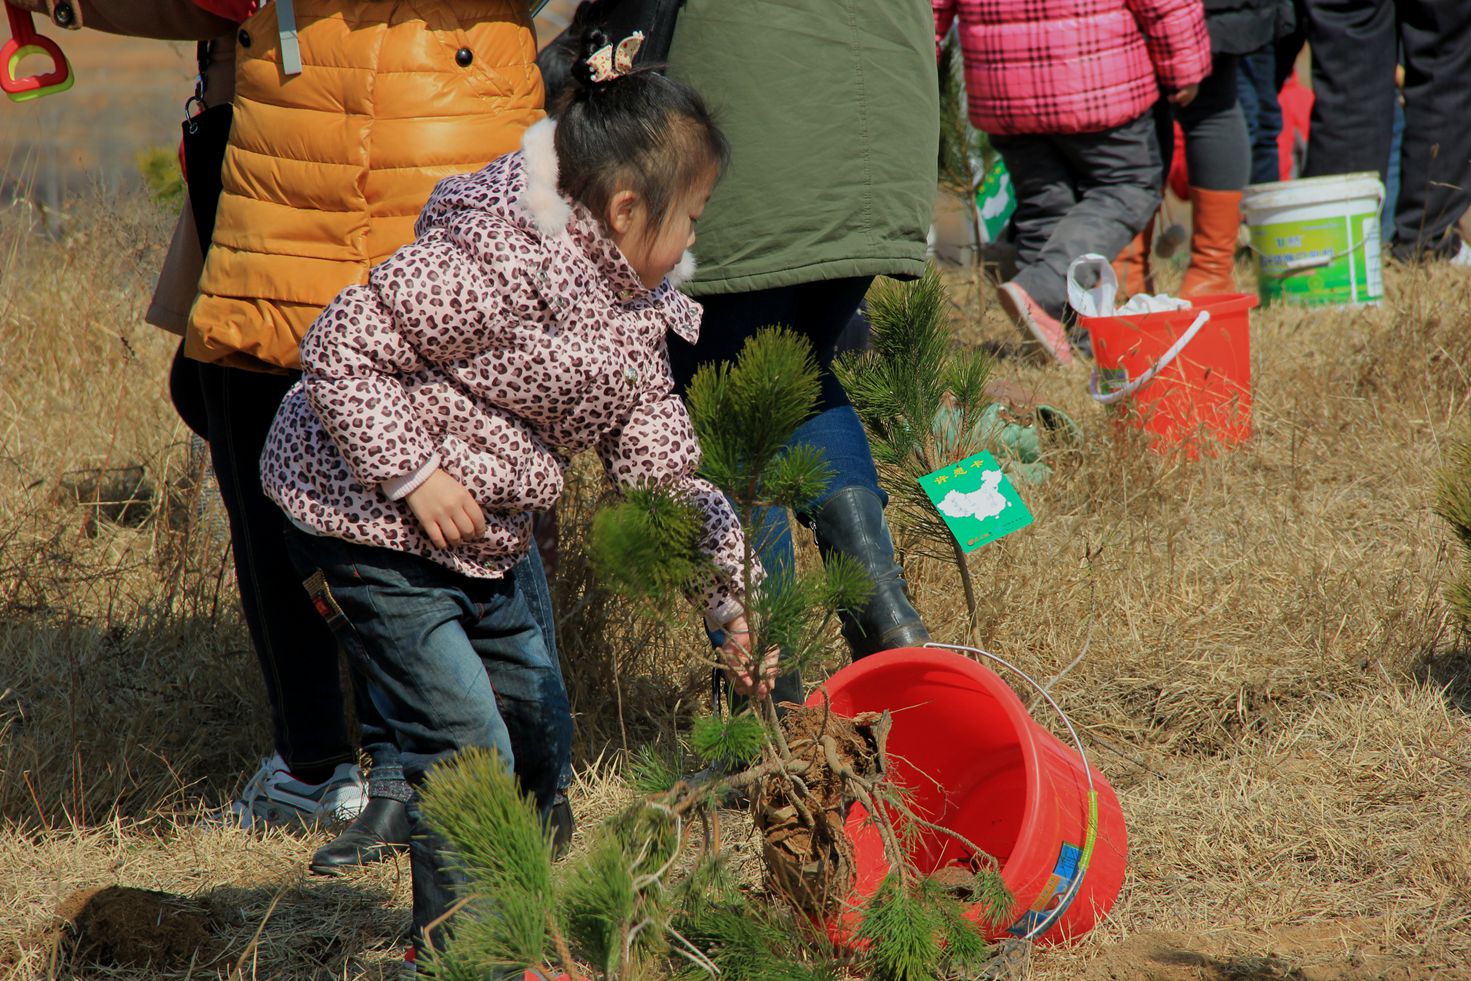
[[582, 70], [624, 125]]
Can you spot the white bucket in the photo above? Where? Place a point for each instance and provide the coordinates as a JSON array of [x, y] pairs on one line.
[[1317, 239]]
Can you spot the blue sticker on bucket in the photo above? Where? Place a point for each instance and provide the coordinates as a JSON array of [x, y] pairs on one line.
[[1049, 904]]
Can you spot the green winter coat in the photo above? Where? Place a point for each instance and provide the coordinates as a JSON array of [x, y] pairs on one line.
[[832, 113]]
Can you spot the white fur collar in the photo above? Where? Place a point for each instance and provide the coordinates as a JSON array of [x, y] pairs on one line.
[[542, 201], [684, 272]]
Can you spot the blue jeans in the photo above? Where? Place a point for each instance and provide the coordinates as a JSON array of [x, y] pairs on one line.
[[449, 663], [1256, 82], [386, 778], [839, 434]]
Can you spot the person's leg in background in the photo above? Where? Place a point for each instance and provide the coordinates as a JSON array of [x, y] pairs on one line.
[[1218, 155], [820, 311], [1134, 267], [1117, 185], [1435, 183], [729, 320], [313, 775], [1393, 171], [1354, 49], [848, 517], [381, 828], [1046, 193], [1256, 84]]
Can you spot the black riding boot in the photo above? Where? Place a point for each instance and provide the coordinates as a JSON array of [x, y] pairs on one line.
[[852, 524], [562, 824], [437, 887], [377, 833]]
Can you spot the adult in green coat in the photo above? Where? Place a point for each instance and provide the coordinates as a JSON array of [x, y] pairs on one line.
[[832, 113]]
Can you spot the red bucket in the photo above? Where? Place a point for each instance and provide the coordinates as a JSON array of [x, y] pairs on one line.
[[975, 762], [1173, 379]]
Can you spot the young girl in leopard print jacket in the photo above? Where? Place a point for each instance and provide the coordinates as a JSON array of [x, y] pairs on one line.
[[442, 399]]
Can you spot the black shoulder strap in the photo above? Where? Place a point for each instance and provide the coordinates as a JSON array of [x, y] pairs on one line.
[[656, 18]]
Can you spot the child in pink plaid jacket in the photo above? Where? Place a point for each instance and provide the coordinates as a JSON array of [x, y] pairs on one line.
[[1065, 90]]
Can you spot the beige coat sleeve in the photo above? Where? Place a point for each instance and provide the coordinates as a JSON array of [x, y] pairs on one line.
[[178, 280]]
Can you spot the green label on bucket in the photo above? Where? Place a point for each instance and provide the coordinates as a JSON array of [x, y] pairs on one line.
[[976, 500], [1050, 902], [1112, 379], [1331, 260]]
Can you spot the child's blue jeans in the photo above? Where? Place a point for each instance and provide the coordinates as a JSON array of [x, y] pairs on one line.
[[450, 663], [386, 778]]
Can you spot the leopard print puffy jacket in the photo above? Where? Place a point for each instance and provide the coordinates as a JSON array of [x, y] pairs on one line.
[[509, 336]]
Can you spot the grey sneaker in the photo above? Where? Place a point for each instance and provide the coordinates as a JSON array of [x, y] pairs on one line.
[[273, 798]]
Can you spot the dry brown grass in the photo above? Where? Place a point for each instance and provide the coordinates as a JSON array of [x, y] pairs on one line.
[[1266, 651]]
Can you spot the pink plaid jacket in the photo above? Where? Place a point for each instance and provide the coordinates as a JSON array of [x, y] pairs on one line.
[[1073, 66]]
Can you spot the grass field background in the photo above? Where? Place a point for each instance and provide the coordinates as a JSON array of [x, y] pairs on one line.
[[1268, 676]]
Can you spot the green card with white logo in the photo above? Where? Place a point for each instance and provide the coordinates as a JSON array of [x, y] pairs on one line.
[[996, 200], [976, 500]]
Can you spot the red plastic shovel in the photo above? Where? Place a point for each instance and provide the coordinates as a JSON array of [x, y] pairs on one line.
[[25, 42]]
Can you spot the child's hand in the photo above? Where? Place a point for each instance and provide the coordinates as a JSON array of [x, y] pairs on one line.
[[1183, 97], [446, 510], [740, 667]]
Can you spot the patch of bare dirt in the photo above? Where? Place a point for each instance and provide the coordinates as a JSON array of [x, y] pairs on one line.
[[1332, 951], [120, 926]]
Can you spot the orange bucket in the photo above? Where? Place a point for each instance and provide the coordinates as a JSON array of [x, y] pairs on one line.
[[1179, 374], [974, 761]]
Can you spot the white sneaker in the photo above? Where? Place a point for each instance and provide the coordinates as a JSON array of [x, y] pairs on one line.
[[1463, 257], [274, 798]]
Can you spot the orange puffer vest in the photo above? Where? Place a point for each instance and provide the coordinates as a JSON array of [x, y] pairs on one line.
[[327, 170]]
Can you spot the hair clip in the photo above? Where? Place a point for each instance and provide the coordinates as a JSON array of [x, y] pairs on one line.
[[608, 63]]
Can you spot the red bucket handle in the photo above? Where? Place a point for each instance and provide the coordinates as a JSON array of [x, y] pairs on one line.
[[24, 42]]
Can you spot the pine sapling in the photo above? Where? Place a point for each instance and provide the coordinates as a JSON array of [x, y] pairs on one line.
[[652, 895]]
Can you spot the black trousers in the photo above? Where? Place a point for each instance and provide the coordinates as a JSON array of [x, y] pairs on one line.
[[1077, 193], [1217, 147], [232, 409], [1356, 44]]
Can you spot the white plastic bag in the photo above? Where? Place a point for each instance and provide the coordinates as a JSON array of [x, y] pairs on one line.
[[1098, 301]]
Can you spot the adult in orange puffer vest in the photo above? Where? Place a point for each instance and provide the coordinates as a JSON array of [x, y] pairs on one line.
[[328, 168], [336, 142]]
